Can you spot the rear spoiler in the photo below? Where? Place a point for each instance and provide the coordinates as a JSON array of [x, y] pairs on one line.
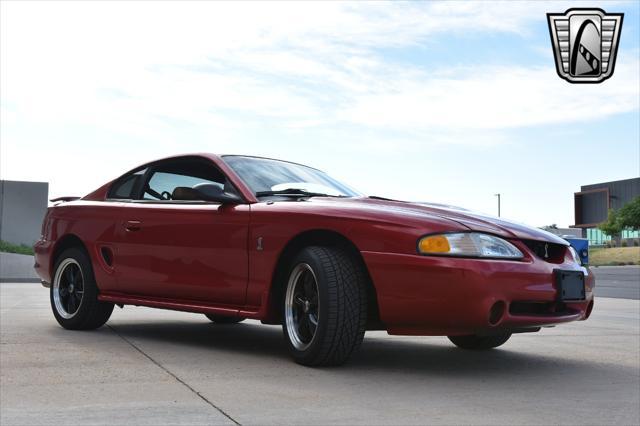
[[53, 200]]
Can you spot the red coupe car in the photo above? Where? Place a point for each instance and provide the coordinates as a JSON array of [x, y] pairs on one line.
[[237, 237]]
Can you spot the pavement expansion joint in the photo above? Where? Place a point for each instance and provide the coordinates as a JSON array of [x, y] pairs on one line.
[[178, 379]]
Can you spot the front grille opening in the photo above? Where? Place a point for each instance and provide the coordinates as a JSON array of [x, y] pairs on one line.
[[539, 308], [550, 252]]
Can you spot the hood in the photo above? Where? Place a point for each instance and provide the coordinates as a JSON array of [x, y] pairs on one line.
[[473, 221]]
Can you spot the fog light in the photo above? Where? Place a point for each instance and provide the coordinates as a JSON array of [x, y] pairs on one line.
[[497, 312]]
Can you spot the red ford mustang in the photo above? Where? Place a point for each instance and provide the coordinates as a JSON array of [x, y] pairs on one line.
[[237, 237]]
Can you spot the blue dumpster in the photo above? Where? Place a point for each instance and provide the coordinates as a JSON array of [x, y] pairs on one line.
[[582, 247]]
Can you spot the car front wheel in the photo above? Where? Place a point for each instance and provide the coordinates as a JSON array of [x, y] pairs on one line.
[[74, 293], [480, 342], [325, 309]]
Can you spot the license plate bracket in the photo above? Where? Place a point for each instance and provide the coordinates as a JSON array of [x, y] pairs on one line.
[[570, 285]]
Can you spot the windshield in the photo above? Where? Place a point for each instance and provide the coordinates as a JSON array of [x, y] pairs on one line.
[[264, 176]]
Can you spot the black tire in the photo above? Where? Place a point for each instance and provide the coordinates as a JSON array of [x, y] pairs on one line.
[[89, 312], [340, 306], [220, 319], [474, 342]]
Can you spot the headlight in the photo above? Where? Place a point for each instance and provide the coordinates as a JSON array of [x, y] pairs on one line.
[[468, 244]]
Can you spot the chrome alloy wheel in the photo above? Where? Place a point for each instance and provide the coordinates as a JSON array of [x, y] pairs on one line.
[[68, 288], [302, 306]]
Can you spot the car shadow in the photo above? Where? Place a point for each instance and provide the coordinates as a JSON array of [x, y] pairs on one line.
[[241, 338], [379, 354]]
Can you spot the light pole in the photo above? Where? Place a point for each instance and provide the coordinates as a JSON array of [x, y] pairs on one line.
[[498, 195]]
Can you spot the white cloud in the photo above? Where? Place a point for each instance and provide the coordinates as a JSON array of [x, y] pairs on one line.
[[497, 97], [304, 64], [128, 81]]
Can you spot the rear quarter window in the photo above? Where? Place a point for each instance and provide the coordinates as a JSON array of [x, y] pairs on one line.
[[123, 188]]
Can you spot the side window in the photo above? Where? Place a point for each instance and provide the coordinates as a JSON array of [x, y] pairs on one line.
[[124, 187], [175, 181]]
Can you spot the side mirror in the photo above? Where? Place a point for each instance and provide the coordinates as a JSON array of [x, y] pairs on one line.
[[211, 192]]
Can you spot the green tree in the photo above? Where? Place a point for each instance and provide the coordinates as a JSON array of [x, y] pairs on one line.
[[629, 215], [612, 226]]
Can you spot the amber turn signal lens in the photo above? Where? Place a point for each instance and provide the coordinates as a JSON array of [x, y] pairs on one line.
[[434, 244]]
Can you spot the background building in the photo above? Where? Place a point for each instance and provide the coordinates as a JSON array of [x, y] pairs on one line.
[[593, 202], [22, 208]]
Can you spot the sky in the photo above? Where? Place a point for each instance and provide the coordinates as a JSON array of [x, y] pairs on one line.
[[441, 102]]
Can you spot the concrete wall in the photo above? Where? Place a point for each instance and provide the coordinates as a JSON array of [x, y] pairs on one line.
[[22, 207]]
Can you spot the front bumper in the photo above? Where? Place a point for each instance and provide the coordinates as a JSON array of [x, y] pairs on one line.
[[423, 295]]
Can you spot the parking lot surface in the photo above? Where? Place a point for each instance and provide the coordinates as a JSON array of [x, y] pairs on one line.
[[618, 281], [157, 367]]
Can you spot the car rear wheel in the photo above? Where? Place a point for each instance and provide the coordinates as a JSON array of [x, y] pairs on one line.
[[324, 309], [474, 342], [220, 319], [74, 293]]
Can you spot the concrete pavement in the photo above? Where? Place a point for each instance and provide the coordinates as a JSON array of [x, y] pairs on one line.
[[161, 367], [17, 268], [618, 281]]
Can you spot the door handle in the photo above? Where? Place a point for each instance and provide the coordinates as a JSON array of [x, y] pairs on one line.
[[132, 225]]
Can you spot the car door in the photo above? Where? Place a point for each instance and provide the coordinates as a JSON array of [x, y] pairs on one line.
[[183, 249]]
